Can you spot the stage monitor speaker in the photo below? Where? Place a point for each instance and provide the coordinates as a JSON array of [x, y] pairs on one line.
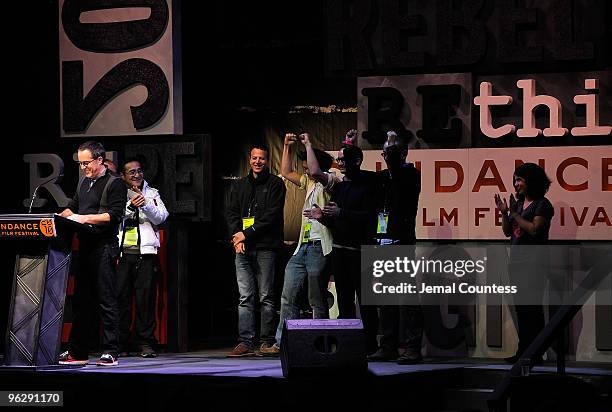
[[312, 347]]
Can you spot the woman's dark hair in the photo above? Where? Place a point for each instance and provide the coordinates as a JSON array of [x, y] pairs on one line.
[[536, 181], [325, 159]]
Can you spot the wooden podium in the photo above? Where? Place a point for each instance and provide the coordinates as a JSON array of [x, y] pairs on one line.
[[42, 265]]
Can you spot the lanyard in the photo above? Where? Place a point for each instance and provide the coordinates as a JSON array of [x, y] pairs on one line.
[[311, 201], [252, 203], [387, 187]]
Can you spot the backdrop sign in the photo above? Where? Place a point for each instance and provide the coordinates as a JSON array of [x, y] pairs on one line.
[[178, 166], [119, 68], [365, 36], [473, 131], [436, 108], [455, 110], [458, 186]]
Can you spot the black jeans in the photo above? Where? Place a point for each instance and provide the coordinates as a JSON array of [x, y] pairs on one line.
[[529, 274], [403, 322], [95, 291], [405, 319], [346, 265], [137, 276]]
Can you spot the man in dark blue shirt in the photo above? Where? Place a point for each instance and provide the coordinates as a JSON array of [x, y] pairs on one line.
[[98, 204]]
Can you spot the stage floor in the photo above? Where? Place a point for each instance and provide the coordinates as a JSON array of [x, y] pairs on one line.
[[173, 382], [214, 363]]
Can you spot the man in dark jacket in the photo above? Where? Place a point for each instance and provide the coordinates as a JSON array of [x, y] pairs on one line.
[[397, 211], [255, 219], [351, 216]]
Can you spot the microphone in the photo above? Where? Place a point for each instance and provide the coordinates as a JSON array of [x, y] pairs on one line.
[[38, 187]]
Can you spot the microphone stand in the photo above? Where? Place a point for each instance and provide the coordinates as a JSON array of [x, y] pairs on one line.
[[38, 187]]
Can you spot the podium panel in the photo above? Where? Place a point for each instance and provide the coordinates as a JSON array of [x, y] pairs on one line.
[[39, 289]]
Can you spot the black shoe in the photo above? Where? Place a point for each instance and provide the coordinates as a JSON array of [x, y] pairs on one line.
[[66, 358], [383, 354], [512, 359], [410, 358], [516, 358], [108, 359], [147, 352]]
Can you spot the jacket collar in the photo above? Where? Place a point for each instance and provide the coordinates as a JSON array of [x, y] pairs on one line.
[[261, 178], [94, 180]]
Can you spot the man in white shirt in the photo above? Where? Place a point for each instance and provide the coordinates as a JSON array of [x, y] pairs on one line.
[[315, 241]]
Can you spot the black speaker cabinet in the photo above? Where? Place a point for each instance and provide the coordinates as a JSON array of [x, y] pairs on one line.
[[313, 347]]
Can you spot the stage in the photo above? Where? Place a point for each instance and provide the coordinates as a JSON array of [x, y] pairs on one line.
[[209, 381]]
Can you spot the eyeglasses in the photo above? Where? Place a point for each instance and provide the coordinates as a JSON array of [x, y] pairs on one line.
[[340, 160], [135, 172], [86, 163]]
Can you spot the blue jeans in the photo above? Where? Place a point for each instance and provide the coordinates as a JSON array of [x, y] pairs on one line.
[[255, 272], [308, 262]]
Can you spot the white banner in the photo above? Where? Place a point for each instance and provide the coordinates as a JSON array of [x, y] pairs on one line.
[[458, 185], [119, 69]]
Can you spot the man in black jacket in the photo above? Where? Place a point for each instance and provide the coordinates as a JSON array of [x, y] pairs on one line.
[[98, 203], [397, 211], [255, 219], [351, 216]]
